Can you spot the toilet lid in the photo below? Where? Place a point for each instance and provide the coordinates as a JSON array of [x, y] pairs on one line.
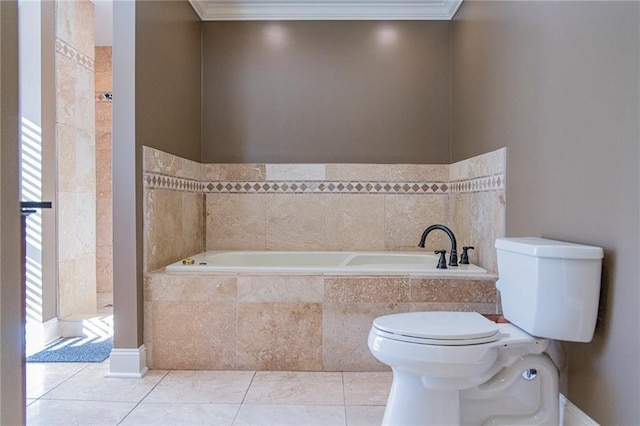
[[447, 326]]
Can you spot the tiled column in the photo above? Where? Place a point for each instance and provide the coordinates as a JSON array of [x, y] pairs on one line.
[[75, 137], [104, 203]]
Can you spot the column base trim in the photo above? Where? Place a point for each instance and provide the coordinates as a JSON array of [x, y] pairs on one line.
[[128, 363]]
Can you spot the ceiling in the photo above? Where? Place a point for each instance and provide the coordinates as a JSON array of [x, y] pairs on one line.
[[261, 10]]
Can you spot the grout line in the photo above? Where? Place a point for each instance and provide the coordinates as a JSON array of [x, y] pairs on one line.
[[146, 395]]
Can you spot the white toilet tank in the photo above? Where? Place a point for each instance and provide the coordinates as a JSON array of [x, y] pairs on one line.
[[550, 288]]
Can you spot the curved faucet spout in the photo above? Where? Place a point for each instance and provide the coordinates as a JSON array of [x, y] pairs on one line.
[[453, 258]]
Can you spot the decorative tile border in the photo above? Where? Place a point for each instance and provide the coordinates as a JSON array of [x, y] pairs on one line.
[[159, 181], [325, 187], [74, 54], [481, 184]]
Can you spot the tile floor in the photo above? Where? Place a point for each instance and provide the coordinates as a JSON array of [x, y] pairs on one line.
[[79, 394]]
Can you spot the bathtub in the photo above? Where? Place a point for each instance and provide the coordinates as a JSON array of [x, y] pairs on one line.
[[319, 262]]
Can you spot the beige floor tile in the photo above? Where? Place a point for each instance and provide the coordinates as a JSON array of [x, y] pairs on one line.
[[367, 388], [47, 412], [296, 388], [90, 384], [206, 387], [358, 415], [153, 413], [42, 377], [290, 415]]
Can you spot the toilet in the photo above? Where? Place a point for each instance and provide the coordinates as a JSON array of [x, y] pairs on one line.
[[459, 368]]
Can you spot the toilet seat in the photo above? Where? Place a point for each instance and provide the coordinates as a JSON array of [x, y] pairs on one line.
[[438, 328]]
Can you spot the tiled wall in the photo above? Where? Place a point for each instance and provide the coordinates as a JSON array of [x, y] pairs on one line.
[[321, 207], [75, 133], [290, 322], [104, 204], [173, 214]]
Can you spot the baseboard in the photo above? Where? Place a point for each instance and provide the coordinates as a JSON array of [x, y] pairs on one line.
[[571, 415], [42, 333], [128, 363]]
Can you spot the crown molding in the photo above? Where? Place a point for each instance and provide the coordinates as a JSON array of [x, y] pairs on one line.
[[292, 10]]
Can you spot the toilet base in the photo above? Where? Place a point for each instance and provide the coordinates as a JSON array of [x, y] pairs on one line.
[[508, 398], [410, 403]]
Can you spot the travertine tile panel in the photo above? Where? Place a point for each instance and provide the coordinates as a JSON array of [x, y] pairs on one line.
[[103, 60], [248, 172], [84, 216], [73, 19], [407, 216], [346, 328], [85, 161], [480, 218], [295, 222], [104, 219], [191, 288], [66, 287], [147, 325], [65, 138], [104, 268], [85, 284], [366, 289], [388, 172], [488, 164], [235, 221], [481, 308], [296, 388], [367, 388], [158, 161], [354, 222], [280, 336], [453, 290], [162, 228], [295, 172], [193, 223], [280, 289], [194, 335]]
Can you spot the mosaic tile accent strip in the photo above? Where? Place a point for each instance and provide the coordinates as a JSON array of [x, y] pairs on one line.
[[481, 184], [74, 54], [101, 96], [325, 187], [158, 181]]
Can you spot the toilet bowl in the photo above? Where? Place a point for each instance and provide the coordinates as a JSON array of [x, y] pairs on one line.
[[452, 368]]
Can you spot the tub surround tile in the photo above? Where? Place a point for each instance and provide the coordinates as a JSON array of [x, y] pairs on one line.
[[194, 335], [235, 222], [235, 172], [346, 328], [355, 222], [191, 288], [367, 289], [202, 387], [388, 172], [295, 222], [280, 289], [441, 290], [407, 217], [280, 336], [296, 388], [295, 172], [481, 308], [488, 164]]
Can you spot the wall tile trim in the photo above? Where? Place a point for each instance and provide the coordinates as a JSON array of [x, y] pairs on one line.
[[74, 54]]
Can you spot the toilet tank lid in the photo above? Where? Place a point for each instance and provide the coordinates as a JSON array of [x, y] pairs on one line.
[[542, 247]]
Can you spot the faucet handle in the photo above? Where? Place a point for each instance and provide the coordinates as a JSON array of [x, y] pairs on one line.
[[442, 262], [464, 257]]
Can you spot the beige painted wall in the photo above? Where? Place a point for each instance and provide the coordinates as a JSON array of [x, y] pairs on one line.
[[168, 88], [12, 387], [557, 84], [326, 92]]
